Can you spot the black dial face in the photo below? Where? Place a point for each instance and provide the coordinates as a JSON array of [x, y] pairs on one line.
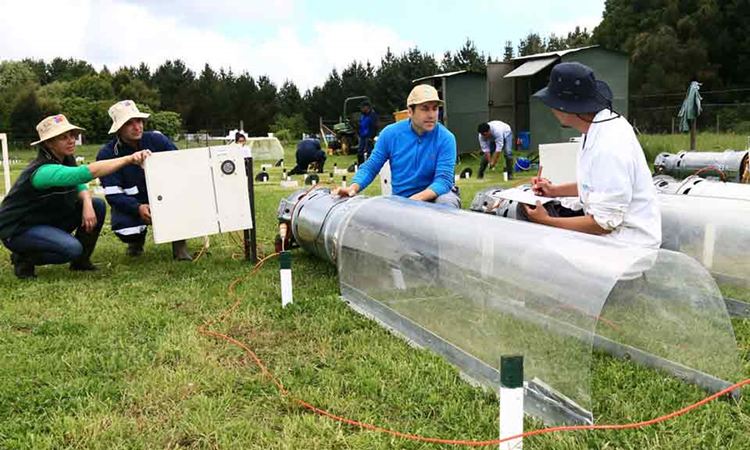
[[227, 167]]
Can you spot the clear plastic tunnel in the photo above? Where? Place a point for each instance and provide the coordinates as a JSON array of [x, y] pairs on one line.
[[708, 223], [265, 148], [714, 231], [474, 287]]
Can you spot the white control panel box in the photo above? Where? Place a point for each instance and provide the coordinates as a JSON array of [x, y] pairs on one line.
[[197, 192]]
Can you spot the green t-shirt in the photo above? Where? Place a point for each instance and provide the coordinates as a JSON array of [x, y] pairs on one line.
[[57, 175]]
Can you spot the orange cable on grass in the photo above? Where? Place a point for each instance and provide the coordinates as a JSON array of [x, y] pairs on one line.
[[205, 331], [202, 252]]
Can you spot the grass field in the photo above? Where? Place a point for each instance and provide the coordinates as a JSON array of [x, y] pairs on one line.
[[113, 360]]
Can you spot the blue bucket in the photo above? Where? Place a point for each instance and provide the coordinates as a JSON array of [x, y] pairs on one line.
[[525, 139], [522, 164]]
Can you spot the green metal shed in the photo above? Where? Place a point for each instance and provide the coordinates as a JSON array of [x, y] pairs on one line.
[[465, 97], [511, 84]]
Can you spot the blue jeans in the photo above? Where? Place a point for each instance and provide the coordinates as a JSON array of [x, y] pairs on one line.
[[451, 198], [53, 244]]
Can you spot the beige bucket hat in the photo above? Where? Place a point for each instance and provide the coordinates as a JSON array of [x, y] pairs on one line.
[[123, 111], [423, 93], [54, 126]]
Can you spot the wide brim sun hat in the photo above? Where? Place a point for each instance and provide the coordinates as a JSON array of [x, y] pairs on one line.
[[123, 111], [54, 126]]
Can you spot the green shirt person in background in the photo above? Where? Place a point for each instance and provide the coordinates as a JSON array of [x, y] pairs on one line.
[[50, 200]]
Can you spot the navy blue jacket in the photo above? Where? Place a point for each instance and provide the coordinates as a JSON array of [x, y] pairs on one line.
[[308, 152], [368, 125], [126, 189]]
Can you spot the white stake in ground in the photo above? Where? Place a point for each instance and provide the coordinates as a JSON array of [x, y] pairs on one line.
[[511, 401], [6, 162], [285, 262]]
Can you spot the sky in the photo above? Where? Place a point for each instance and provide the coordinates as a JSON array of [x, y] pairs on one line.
[[293, 40]]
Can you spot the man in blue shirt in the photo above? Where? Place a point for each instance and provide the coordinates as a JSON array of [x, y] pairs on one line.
[[421, 152], [368, 129], [125, 189]]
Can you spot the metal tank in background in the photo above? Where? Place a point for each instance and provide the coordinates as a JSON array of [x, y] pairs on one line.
[[701, 187], [730, 165]]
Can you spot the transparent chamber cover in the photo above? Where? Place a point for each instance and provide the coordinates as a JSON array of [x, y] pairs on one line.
[[714, 231], [265, 148], [486, 287]]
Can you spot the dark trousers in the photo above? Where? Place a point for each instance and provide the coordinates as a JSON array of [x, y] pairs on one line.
[[554, 209], [302, 166], [486, 157], [364, 149], [128, 228], [53, 244]]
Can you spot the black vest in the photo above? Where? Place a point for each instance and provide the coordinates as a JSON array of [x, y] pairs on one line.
[[26, 206]]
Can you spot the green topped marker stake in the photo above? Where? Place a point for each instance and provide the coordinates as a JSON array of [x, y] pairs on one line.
[[511, 401]]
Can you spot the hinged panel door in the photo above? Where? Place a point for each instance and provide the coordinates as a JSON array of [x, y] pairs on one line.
[[230, 182], [181, 195]]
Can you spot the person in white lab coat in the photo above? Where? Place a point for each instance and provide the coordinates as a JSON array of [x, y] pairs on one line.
[[613, 195]]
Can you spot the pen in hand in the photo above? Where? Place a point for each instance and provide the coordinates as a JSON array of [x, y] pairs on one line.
[[538, 178]]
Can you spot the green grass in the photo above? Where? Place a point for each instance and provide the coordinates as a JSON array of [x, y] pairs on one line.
[[113, 360]]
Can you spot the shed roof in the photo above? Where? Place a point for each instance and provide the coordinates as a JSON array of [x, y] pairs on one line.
[[558, 53], [445, 75], [531, 67]]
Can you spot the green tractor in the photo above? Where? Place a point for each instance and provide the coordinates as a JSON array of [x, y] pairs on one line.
[[345, 131]]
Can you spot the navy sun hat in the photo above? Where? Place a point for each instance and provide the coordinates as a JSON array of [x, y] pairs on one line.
[[574, 89]]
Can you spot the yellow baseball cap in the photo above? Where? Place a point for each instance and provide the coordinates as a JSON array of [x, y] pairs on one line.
[[53, 126], [423, 93]]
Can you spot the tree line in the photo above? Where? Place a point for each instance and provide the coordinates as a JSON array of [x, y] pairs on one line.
[[213, 100], [670, 43]]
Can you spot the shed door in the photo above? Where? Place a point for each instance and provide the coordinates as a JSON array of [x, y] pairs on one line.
[[500, 93]]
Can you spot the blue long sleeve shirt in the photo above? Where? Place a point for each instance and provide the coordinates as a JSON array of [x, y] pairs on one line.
[[417, 161]]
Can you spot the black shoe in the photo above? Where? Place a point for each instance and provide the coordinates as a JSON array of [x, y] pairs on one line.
[[83, 266], [22, 267], [509, 167], [135, 249], [180, 251], [88, 243]]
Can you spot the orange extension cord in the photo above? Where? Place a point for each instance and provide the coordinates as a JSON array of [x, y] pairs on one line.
[[700, 171], [204, 330]]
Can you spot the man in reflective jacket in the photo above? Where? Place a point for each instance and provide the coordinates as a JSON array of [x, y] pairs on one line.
[[125, 189]]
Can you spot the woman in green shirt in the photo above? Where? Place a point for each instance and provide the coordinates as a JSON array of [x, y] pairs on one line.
[[51, 199]]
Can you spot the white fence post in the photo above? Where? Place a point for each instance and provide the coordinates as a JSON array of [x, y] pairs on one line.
[[6, 162]]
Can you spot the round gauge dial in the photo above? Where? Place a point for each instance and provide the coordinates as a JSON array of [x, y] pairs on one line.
[[228, 167]]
